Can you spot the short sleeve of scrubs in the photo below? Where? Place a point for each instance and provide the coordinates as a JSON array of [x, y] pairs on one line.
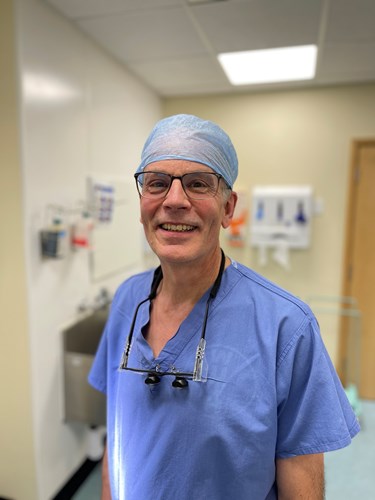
[[314, 415]]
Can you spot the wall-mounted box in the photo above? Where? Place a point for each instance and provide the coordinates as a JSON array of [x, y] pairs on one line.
[[281, 213]]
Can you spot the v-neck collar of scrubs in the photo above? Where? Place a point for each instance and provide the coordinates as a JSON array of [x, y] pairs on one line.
[[189, 328]]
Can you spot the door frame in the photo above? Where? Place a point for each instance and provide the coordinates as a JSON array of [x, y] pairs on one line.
[[352, 193]]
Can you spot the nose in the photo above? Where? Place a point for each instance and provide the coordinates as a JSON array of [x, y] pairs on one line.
[[176, 195]]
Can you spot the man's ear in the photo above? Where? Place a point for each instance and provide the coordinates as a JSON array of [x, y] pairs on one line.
[[229, 207]]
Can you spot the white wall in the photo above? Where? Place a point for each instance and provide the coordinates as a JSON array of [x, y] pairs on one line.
[[82, 113]]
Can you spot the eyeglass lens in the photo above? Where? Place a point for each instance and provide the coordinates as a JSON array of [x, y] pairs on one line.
[[197, 185]]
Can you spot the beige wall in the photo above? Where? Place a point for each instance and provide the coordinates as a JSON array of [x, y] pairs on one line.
[[16, 441], [296, 137]]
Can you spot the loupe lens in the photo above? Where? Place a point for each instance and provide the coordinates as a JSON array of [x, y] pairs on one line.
[[152, 380]]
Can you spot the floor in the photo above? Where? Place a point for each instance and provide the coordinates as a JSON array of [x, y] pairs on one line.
[[350, 473], [91, 488]]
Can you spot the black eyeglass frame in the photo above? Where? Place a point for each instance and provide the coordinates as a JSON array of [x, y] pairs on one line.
[[180, 178], [154, 375]]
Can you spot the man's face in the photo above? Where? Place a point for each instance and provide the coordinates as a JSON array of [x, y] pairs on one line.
[[182, 230]]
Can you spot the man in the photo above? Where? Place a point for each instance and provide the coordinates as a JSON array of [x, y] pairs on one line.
[[218, 384]]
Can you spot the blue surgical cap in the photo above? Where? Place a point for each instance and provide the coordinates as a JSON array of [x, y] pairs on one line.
[[187, 137]]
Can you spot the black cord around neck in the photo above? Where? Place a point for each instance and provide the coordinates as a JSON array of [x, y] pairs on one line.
[[158, 276]]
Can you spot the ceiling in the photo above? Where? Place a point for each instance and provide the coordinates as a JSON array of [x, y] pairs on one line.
[[172, 44]]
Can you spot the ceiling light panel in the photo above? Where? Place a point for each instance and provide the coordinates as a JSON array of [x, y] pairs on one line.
[[271, 65]]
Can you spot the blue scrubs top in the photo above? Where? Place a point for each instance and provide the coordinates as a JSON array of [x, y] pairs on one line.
[[271, 392]]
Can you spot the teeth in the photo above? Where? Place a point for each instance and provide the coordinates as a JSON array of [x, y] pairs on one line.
[[177, 227]]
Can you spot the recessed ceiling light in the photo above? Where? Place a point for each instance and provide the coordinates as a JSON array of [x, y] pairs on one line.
[[270, 65]]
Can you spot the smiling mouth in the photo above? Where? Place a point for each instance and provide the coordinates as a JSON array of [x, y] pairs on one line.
[[182, 228]]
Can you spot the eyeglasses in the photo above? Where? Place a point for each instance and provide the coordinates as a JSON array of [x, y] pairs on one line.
[[199, 374], [196, 185]]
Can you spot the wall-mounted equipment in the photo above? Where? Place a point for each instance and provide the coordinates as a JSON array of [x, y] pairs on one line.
[[54, 237], [281, 213], [281, 220], [81, 231], [65, 229], [117, 237], [102, 199]]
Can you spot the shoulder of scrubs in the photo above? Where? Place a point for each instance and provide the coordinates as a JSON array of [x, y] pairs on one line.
[[314, 414]]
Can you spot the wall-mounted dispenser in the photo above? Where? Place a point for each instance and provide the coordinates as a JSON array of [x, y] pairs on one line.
[[54, 238], [281, 213], [281, 220], [81, 231]]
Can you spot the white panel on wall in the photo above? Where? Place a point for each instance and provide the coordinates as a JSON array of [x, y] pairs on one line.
[[117, 236]]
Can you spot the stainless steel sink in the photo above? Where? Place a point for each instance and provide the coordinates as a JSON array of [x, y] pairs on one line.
[[80, 340]]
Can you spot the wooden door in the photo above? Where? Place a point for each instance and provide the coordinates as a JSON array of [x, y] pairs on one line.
[[359, 272]]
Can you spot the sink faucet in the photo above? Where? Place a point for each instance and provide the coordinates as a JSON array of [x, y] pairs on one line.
[[101, 301]]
